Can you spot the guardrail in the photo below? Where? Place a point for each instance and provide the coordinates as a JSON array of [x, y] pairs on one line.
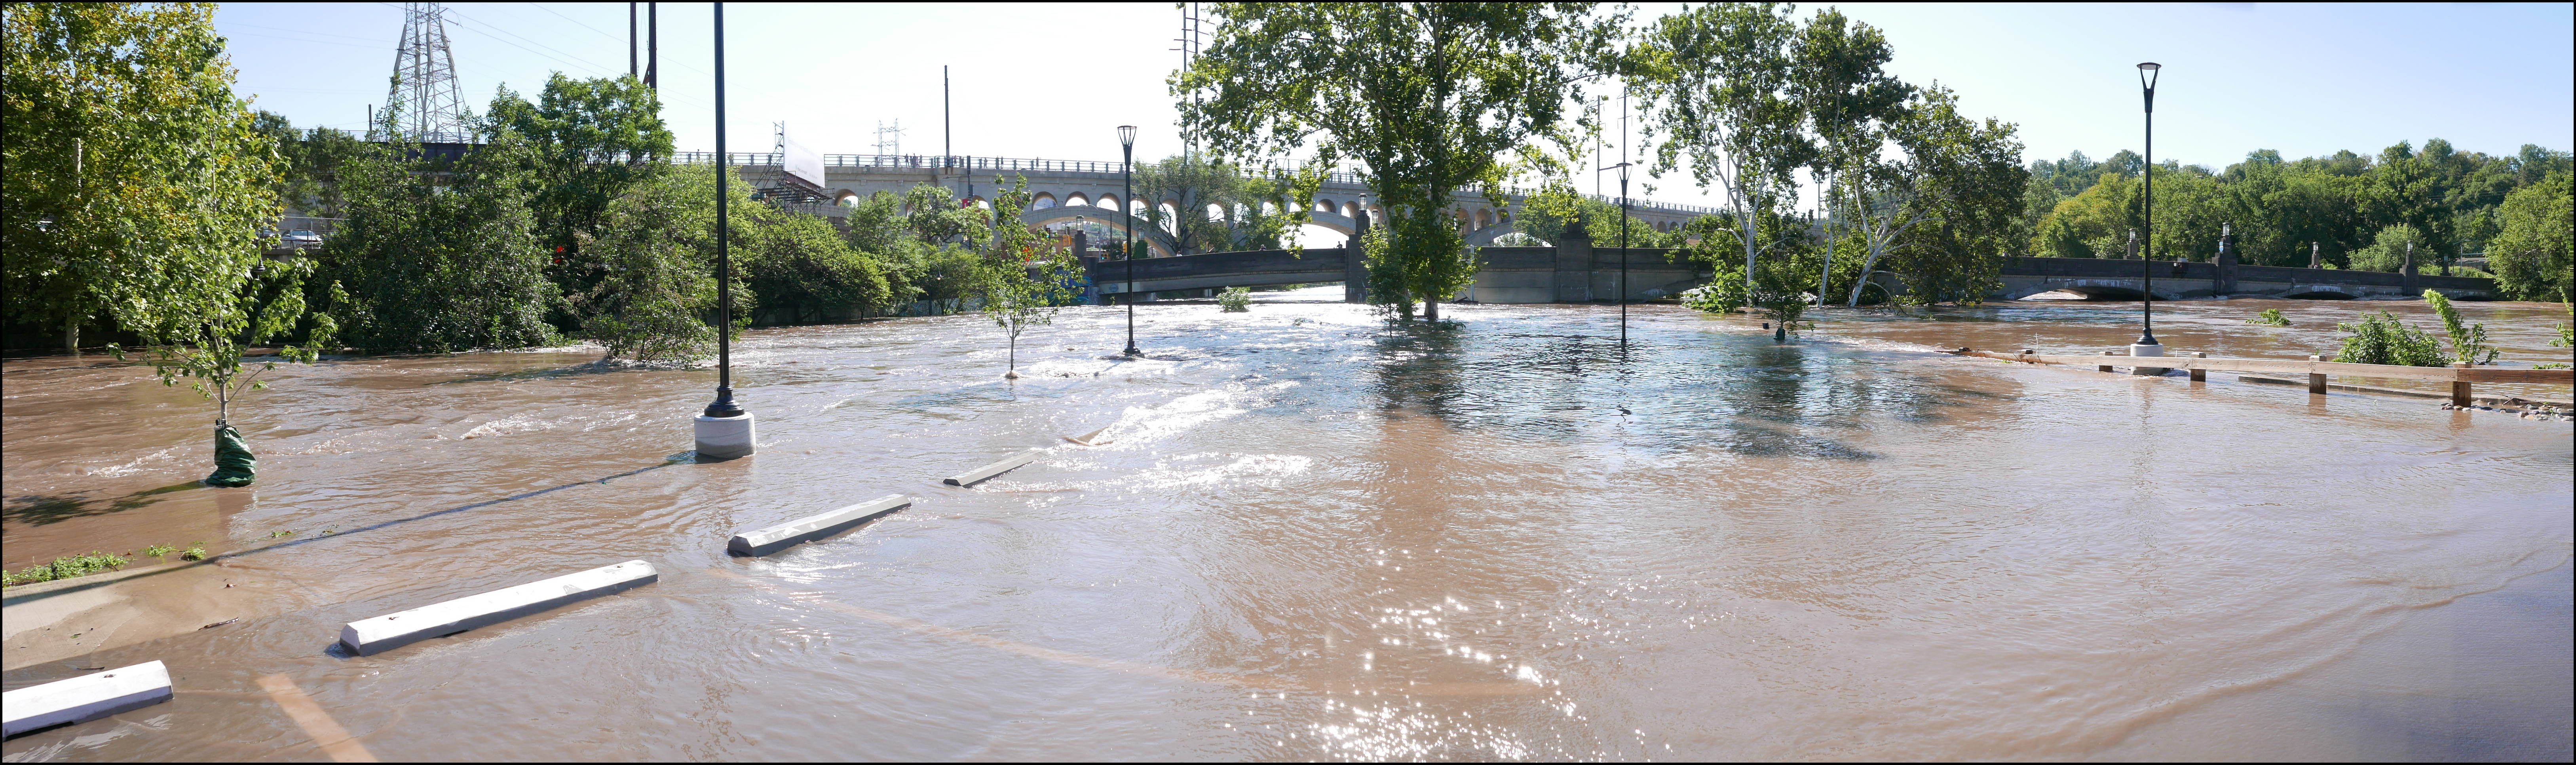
[[2460, 376]]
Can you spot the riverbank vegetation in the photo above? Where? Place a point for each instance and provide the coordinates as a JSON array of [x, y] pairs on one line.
[[2347, 210]]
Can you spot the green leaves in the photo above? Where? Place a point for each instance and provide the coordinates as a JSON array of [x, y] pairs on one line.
[[1427, 98], [2468, 341], [432, 266], [136, 183], [2531, 253], [2381, 339]]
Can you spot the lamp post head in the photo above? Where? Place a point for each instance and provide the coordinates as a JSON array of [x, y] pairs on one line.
[[1127, 136], [2147, 74]]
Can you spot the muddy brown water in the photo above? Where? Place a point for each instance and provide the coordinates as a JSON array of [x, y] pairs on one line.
[[1311, 536]]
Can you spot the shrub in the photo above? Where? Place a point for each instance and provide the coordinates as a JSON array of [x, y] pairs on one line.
[[2468, 342], [64, 567], [1235, 300], [2387, 254], [2270, 317], [2381, 339]]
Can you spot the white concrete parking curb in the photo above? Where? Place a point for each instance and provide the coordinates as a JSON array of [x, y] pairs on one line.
[[386, 632], [969, 478], [84, 698], [813, 527]]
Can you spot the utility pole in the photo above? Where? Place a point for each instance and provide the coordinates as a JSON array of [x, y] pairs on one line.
[[653, 45], [632, 69], [947, 127]]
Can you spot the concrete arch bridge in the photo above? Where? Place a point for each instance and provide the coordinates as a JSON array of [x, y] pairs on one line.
[[1067, 189]]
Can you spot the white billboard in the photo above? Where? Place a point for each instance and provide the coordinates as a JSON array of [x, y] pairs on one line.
[[802, 166]]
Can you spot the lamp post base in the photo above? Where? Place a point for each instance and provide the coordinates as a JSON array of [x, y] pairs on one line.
[[2151, 350], [724, 438]]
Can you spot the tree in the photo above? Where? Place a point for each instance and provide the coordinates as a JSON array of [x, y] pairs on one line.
[[801, 268], [655, 258], [1969, 188], [1025, 276], [2388, 253], [1851, 103], [207, 348], [437, 267], [1722, 82], [136, 183], [918, 239], [592, 139], [309, 171], [1557, 207], [2530, 251], [1428, 98]]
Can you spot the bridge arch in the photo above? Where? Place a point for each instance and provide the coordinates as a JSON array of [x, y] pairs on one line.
[[1042, 201], [2091, 289], [1158, 243]]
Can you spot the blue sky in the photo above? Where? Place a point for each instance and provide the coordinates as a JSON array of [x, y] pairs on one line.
[[1053, 80]]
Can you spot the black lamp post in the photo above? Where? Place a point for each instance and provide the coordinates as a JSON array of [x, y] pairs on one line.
[[1623, 251], [724, 430], [2147, 74], [1126, 188]]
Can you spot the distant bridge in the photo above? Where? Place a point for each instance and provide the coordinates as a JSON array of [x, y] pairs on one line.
[[1067, 189]]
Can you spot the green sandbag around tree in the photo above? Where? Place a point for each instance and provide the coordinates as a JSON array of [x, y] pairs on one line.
[[234, 465]]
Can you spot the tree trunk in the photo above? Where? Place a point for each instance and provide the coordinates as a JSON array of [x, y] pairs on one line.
[[71, 336], [1430, 309]]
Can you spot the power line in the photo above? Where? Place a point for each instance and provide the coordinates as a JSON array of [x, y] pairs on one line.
[[542, 7]]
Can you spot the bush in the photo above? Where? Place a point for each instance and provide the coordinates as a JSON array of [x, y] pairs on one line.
[[2382, 339], [2531, 255], [440, 267], [655, 262], [2469, 341], [64, 568], [1235, 300], [2270, 317], [2388, 253]]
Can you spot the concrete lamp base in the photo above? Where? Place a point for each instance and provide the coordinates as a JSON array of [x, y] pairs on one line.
[[724, 438], [2153, 351]]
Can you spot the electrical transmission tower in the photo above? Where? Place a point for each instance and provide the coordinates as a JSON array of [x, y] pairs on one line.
[[1192, 37], [890, 139], [425, 84]]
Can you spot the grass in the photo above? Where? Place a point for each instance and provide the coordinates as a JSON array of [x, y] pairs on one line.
[[159, 551], [64, 567]]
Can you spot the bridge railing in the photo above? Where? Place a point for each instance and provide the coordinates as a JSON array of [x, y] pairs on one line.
[[976, 164]]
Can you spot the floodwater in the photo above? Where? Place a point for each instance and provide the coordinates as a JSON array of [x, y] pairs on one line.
[[1306, 534]]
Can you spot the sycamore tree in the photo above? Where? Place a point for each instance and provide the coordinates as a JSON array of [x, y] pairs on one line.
[[1852, 104], [1427, 99], [1944, 203], [1723, 90], [1025, 276], [136, 183]]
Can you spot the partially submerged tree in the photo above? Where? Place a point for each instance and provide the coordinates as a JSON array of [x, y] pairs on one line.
[[1428, 98], [440, 255], [205, 343], [1723, 91], [135, 182], [1025, 275]]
